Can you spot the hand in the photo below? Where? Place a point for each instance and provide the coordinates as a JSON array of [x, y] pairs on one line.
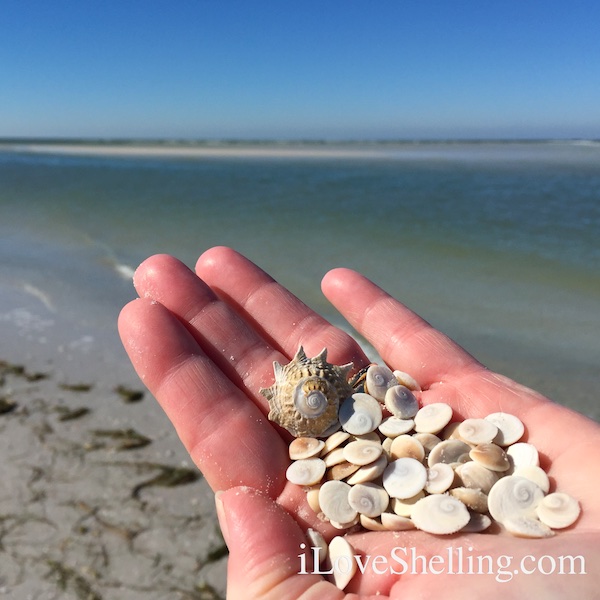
[[204, 344]]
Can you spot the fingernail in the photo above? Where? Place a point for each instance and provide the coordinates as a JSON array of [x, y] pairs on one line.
[[221, 516]]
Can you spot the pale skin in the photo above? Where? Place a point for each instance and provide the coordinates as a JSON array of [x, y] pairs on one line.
[[204, 344]]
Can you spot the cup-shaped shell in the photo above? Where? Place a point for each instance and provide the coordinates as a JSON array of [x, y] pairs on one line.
[[368, 499], [333, 500], [512, 497], [558, 510], [433, 417], [378, 380], [440, 514], [477, 431], [510, 428], [306, 395], [404, 478], [401, 402], [360, 414]]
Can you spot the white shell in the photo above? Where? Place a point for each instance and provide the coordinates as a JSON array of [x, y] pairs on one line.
[[368, 499], [490, 456], [401, 402], [449, 452], [527, 527], [428, 440], [558, 510], [334, 440], [392, 426], [407, 380], [305, 447], [404, 478], [472, 498], [404, 506], [478, 522], [393, 522], [308, 471], [362, 452], [333, 500], [378, 380], [536, 474], [439, 478], [316, 540], [360, 414], [369, 472], [512, 497], [510, 428], [335, 457], [474, 475], [523, 454], [477, 431], [433, 417], [440, 514], [407, 446], [341, 557]]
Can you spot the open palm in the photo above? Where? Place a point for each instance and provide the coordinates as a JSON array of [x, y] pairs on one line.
[[204, 344]]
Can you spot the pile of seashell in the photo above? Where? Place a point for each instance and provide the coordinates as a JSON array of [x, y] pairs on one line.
[[368, 455]]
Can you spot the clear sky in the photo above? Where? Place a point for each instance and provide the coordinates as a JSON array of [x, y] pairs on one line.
[[328, 69]]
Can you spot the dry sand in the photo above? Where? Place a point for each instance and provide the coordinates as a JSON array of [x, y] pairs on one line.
[[99, 503]]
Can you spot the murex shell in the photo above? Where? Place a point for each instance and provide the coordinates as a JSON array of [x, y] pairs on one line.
[[307, 392]]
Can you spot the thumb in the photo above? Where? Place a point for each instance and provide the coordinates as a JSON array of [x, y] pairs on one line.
[[264, 545]]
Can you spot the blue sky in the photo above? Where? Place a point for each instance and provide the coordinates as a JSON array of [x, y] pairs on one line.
[[302, 69]]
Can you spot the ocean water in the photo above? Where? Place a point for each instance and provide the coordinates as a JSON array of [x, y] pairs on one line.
[[496, 244]]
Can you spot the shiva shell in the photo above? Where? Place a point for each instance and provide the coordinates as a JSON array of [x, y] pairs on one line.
[[307, 393]]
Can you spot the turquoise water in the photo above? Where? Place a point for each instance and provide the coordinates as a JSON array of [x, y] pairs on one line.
[[497, 244]]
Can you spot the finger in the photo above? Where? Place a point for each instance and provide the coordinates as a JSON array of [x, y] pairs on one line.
[[264, 545], [403, 339], [281, 318], [226, 434], [237, 349]]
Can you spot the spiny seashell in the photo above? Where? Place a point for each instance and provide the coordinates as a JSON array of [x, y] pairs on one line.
[[404, 506], [407, 380], [362, 452], [360, 414], [472, 498], [308, 471], [392, 427], [433, 417], [474, 475], [510, 428], [368, 499], [558, 510], [523, 454], [439, 478], [527, 527], [333, 500], [341, 556], [512, 497], [305, 447], [306, 395], [404, 478], [449, 452], [401, 402], [492, 457], [407, 445], [477, 431], [378, 380], [440, 514]]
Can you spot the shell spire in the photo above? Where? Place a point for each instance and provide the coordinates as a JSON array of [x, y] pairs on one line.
[[307, 392]]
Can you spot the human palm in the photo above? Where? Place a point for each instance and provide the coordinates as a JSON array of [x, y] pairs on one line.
[[204, 344]]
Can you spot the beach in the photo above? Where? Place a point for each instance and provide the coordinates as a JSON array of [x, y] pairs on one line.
[[493, 243]]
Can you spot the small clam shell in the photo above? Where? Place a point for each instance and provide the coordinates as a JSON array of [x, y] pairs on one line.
[[379, 378], [490, 456], [522, 454], [360, 414], [335, 457], [558, 510], [472, 498], [342, 470], [478, 522], [305, 447], [407, 380], [401, 402], [369, 472], [317, 541], [341, 557], [368, 499], [536, 474], [308, 471], [404, 507], [404, 478], [392, 427], [362, 452], [440, 514], [333, 500], [477, 431], [512, 497], [334, 440], [527, 527], [474, 475], [510, 428], [449, 452], [393, 522], [407, 446], [433, 417], [439, 478]]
